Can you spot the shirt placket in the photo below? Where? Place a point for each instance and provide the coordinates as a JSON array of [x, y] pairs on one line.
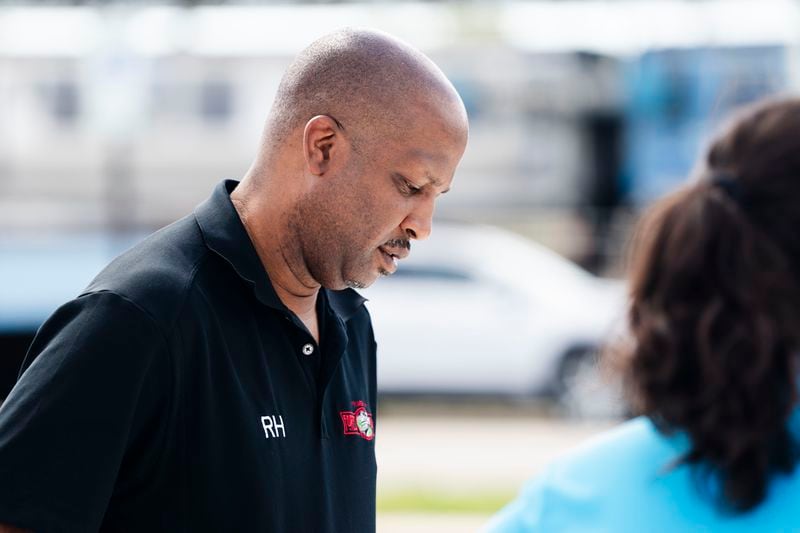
[[335, 347]]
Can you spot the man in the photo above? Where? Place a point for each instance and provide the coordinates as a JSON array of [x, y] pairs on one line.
[[220, 376]]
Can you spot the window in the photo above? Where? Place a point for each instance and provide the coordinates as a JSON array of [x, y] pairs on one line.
[[61, 100], [216, 101]]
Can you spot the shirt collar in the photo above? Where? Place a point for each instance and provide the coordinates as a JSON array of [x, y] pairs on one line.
[[345, 303], [224, 234]]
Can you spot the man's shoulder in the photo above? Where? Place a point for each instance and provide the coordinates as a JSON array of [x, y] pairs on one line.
[[156, 273]]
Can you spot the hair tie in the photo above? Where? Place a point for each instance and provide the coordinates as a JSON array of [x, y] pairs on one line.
[[728, 184]]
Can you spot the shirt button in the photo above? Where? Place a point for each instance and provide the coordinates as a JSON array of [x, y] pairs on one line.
[[308, 349]]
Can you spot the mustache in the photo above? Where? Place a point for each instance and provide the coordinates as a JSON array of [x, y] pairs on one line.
[[398, 243]]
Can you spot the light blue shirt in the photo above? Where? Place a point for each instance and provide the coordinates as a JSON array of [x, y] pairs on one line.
[[622, 482]]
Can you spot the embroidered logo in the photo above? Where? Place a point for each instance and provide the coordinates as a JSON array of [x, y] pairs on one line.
[[358, 422]]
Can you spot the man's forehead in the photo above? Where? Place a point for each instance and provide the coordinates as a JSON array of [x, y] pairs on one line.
[[433, 164], [431, 157]]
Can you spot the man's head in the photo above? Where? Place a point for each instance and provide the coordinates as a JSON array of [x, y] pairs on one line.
[[364, 134]]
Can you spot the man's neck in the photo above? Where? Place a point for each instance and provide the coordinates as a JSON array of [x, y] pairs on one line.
[[301, 300], [285, 272]]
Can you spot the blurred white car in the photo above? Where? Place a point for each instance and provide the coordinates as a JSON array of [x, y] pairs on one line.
[[477, 309]]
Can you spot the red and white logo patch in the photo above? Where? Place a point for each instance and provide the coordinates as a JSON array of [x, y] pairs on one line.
[[358, 422]]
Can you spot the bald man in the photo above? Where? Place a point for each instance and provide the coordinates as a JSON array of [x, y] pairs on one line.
[[220, 376]]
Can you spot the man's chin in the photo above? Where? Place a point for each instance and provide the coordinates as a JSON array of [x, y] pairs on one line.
[[362, 282]]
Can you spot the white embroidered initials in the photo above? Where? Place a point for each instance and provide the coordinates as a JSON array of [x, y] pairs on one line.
[[273, 426]]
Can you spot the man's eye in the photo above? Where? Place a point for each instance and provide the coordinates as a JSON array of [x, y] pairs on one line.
[[410, 188]]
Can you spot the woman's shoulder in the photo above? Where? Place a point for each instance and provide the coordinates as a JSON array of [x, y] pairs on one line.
[[594, 484], [633, 445], [629, 479]]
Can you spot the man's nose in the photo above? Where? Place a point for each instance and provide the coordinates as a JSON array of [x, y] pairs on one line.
[[417, 225]]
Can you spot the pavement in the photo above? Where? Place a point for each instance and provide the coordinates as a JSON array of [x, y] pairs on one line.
[[429, 523], [468, 452]]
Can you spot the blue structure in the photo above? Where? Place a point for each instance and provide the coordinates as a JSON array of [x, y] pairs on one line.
[[676, 98], [39, 274]]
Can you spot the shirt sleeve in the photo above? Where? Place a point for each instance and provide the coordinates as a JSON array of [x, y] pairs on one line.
[[526, 513], [65, 426]]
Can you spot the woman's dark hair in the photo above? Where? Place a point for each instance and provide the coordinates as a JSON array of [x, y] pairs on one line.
[[715, 307]]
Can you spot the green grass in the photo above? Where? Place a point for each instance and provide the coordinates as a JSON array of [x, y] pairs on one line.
[[423, 501]]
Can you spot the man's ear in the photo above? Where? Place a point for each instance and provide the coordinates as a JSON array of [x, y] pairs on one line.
[[322, 142]]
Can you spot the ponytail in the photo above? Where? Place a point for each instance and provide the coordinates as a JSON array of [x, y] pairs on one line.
[[715, 315]]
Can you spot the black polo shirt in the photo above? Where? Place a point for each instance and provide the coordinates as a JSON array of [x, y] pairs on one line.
[[178, 393]]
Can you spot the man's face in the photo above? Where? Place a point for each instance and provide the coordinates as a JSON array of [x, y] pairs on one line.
[[356, 225]]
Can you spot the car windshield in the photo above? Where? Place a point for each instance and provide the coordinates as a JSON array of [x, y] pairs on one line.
[[497, 254], [522, 262]]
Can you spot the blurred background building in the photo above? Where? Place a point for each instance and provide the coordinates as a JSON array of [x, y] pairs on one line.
[[117, 118], [120, 116]]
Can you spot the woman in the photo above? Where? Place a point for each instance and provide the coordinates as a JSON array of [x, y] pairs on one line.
[[713, 362]]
